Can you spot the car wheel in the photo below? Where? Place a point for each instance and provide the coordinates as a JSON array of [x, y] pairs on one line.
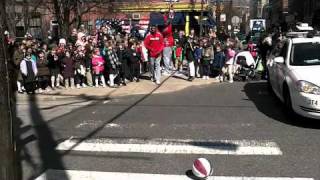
[[244, 78]]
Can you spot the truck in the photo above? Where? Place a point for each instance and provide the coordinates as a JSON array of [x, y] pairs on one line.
[[257, 25]]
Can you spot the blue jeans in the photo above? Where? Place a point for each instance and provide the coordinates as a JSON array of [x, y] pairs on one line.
[[155, 68]]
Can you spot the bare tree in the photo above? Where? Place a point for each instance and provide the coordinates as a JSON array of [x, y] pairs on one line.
[[70, 12], [29, 8]]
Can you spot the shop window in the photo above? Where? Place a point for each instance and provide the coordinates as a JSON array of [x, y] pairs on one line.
[[35, 27], [20, 31]]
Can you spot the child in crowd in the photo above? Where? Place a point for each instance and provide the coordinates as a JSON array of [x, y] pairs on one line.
[[29, 72], [98, 68], [229, 68], [178, 56], [135, 58], [144, 58], [68, 70], [43, 72], [113, 62], [55, 68], [198, 57], [218, 63], [18, 56], [122, 53], [207, 55], [80, 71]]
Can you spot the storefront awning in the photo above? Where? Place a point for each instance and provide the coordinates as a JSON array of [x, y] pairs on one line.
[[159, 7]]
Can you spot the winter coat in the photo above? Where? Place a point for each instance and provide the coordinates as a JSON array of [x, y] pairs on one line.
[[135, 57], [17, 58], [155, 44], [124, 58], [189, 47], [230, 56], [97, 64], [24, 67], [207, 54], [113, 62], [43, 69], [219, 60], [54, 62], [67, 67], [198, 53], [29, 71]]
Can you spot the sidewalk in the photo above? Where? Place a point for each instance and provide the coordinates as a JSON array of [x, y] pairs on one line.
[[169, 84]]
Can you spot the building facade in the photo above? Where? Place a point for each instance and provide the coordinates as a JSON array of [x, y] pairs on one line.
[[286, 13], [43, 21]]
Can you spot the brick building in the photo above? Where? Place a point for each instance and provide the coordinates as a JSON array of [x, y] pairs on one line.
[[288, 12], [129, 12]]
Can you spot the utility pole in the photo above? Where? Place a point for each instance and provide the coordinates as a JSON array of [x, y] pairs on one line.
[[201, 17], [7, 152]]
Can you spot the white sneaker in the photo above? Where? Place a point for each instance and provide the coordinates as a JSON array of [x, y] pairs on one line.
[[96, 85], [78, 86], [84, 85], [204, 77], [207, 78], [158, 82], [165, 74], [230, 81]]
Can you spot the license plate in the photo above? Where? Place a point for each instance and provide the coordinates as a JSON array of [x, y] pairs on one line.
[[313, 102]]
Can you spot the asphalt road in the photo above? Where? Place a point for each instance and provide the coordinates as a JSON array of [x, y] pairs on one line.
[[202, 113]]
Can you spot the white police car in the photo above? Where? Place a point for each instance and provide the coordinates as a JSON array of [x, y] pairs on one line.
[[294, 75]]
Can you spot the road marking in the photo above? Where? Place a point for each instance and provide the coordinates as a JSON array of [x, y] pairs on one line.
[[112, 125], [173, 146], [94, 175]]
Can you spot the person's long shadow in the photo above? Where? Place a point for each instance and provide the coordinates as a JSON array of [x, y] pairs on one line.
[[50, 158]]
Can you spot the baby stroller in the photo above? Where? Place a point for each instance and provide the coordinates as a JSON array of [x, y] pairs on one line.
[[245, 66]]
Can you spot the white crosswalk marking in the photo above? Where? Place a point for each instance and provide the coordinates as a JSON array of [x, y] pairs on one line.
[[174, 146], [93, 175]]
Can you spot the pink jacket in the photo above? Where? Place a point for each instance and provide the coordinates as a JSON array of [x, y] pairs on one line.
[[230, 56], [97, 64]]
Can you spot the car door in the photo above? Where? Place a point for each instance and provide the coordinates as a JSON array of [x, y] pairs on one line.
[[272, 66], [272, 71], [280, 69]]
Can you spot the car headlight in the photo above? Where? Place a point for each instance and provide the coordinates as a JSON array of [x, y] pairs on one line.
[[308, 87]]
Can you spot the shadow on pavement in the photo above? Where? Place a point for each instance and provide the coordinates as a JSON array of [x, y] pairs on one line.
[[50, 158], [271, 106], [190, 175], [216, 145]]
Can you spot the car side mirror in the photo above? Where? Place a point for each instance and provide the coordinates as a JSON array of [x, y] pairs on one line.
[[279, 60]]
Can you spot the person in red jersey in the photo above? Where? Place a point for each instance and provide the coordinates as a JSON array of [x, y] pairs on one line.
[[154, 44], [168, 44]]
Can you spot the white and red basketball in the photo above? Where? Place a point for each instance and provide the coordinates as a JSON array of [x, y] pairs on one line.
[[201, 168]]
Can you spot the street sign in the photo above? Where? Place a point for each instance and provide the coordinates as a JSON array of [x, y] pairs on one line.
[[235, 20]]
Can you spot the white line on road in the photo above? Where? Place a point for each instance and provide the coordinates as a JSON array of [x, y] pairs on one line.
[[94, 175], [173, 146]]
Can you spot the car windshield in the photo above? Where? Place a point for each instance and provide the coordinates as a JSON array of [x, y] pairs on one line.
[[305, 54]]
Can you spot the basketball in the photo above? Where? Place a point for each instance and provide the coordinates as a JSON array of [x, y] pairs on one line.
[[202, 168]]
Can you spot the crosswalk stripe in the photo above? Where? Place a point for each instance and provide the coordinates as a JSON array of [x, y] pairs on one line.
[[94, 175], [173, 146]]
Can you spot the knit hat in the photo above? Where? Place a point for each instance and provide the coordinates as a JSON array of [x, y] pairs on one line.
[[62, 41]]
